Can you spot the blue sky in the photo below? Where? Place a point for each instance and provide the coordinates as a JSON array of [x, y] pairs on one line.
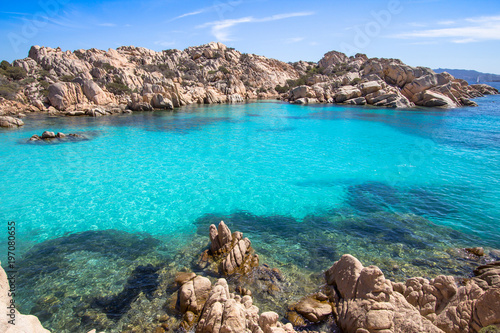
[[454, 34]]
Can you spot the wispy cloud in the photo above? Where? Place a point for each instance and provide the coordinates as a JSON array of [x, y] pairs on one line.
[[446, 22], [164, 43], [469, 30], [294, 40], [197, 12], [220, 29], [106, 25]]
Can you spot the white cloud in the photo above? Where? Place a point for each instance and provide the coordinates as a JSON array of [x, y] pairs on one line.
[[220, 29], [446, 22], [471, 30], [294, 40], [106, 25], [164, 43], [197, 12]]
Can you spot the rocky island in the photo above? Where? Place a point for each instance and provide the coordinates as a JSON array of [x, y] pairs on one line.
[[96, 82]]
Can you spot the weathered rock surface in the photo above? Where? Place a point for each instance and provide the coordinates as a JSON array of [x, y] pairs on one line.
[[367, 302], [143, 80], [21, 323], [216, 310], [53, 138], [7, 121], [229, 252]]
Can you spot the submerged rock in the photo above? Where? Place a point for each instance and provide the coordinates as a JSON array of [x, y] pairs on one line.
[[53, 138]]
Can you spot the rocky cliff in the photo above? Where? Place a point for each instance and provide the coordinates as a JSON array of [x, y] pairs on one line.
[[96, 82]]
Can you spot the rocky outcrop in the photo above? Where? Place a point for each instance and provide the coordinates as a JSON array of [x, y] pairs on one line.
[[19, 323], [365, 301], [229, 253], [48, 137], [143, 80], [213, 309], [7, 121], [64, 94]]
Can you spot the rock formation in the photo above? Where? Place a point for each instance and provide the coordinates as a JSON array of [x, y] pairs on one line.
[[51, 137], [6, 121], [22, 323], [229, 252], [364, 301], [138, 79], [213, 309]]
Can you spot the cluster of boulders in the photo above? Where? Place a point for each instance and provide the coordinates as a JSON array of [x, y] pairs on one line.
[[213, 308], [365, 301], [384, 82], [138, 79], [11, 321], [51, 137]]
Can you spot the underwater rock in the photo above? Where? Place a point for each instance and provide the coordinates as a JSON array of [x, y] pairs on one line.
[[17, 323], [51, 137], [438, 305]]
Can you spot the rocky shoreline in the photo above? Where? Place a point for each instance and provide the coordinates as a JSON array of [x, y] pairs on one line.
[[220, 296], [96, 83]]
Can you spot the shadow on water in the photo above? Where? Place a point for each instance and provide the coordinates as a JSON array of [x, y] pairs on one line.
[[379, 237], [143, 279], [187, 125], [105, 270]]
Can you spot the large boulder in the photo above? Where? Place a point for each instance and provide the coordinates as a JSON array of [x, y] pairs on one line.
[[64, 94], [346, 93], [160, 102], [6, 121], [94, 93], [430, 98]]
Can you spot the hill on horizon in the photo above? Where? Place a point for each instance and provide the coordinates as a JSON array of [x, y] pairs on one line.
[[470, 75]]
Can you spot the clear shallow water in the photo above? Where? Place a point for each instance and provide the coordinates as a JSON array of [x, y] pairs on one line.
[[305, 184]]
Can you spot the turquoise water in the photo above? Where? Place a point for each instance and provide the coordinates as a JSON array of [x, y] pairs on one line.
[[159, 172], [305, 183]]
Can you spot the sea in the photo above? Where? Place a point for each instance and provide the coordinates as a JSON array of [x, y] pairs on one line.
[[401, 189]]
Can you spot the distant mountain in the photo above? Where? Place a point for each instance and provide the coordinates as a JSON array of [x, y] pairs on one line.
[[470, 75]]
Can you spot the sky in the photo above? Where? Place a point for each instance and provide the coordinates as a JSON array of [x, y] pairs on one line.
[[458, 34]]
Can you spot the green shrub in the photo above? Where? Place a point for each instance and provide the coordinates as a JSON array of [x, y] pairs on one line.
[[490, 329], [355, 81], [224, 70], [212, 72], [66, 78], [281, 89], [43, 73], [14, 73], [4, 64], [117, 87], [244, 57], [8, 90], [108, 67], [28, 80], [44, 84]]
